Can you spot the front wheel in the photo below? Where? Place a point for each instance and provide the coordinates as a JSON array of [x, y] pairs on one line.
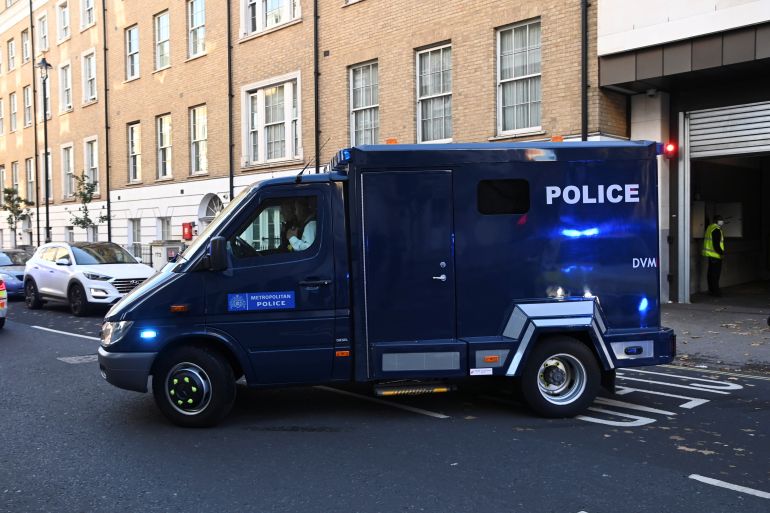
[[561, 377], [194, 387], [79, 305], [32, 296]]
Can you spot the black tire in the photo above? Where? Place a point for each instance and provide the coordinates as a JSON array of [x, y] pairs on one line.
[[560, 378], [194, 386], [32, 296], [79, 305], [2, 322]]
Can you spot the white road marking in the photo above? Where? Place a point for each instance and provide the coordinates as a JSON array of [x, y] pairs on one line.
[[722, 373], [87, 358], [730, 486], [712, 383], [700, 389], [640, 421], [631, 406], [66, 333], [387, 403], [692, 403]]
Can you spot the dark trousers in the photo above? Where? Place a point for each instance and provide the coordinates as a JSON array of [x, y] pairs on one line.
[[714, 270]]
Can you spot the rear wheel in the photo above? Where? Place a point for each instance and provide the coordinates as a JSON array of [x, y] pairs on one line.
[[79, 305], [194, 386], [32, 296], [560, 378]]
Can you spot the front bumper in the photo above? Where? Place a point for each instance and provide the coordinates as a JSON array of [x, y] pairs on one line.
[[126, 370]]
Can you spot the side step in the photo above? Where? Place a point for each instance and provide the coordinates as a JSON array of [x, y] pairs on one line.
[[391, 390]]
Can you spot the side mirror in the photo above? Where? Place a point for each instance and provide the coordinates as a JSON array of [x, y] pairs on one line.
[[217, 254], [63, 261]]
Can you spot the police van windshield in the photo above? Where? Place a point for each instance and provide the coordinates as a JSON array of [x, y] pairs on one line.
[[101, 253], [218, 220]]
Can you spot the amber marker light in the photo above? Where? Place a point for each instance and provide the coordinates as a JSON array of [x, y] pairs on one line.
[[179, 308], [492, 359], [342, 354]]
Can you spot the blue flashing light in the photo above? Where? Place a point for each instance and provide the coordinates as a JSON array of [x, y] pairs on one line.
[[148, 334], [644, 304], [345, 156], [575, 234], [659, 148]]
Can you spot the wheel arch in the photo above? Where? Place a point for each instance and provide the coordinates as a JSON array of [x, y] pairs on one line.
[[208, 341]]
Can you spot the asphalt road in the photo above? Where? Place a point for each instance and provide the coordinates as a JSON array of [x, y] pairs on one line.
[[70, 442]]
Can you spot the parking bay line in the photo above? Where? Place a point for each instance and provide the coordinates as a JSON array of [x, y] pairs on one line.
[[713, 384], [730, 486], [722, 373], [66, 333], [387, 403], [621, 376]]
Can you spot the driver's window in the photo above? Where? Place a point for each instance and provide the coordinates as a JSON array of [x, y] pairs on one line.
[[282, 225]]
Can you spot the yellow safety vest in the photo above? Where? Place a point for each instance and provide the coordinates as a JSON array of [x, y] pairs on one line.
[[708, 242]]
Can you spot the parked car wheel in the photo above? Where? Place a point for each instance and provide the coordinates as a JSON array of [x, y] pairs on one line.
[[560, 378], [79, 305], [194, 386], [32, 296]]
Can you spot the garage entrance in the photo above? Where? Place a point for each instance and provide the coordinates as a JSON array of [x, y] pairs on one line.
[[725, 170]]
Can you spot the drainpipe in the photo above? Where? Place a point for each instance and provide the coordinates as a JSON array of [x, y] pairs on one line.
[[34, 114], [106, 121], [584, 70], [231, 150], [316, 75]]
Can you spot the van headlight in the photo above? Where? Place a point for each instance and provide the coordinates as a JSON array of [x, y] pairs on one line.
[[114, 331]]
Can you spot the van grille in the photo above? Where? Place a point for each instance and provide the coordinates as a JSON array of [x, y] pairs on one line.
[[126, 285]]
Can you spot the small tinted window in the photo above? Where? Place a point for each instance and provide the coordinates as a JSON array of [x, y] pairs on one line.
[[496, 197], [61, 253], [48, 254]]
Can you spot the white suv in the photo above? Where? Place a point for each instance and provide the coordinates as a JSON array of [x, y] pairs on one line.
[[81, 273]]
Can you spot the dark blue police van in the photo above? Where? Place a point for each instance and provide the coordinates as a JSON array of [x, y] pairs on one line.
[[410, 268]]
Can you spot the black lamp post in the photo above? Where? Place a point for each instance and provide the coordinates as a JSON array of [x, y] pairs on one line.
[[43, 66]]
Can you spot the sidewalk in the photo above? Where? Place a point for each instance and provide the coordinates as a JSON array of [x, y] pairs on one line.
[[729, 332]]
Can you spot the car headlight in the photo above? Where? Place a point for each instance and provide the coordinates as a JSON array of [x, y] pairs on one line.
[[114, 331], [98, 277]]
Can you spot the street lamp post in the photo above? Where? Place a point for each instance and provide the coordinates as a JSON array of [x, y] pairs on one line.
[[44, 67]]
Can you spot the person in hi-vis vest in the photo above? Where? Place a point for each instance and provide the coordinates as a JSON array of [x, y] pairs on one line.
[[714, 250]]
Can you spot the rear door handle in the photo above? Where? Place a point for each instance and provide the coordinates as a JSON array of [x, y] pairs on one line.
[[440, 278], [314, 283]]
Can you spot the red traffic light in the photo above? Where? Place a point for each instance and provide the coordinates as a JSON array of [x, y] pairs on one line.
[[669, 150]]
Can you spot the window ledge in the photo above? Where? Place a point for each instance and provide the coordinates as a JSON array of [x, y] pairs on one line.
[[65, 111], [270, 165], [514, 135], [68, 199], [63, 40], [135, 183], [164, 68], [348, 3], [198, 175], [164, 179], [132, 79], [255, 35], [89, 102], [83, 28], [195, 57]]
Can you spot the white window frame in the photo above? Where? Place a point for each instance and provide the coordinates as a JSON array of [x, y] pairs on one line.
[[164, 151], [134, 151], [42, 33], [159, 43], [500, 81], [67, 153], [26, 52], [65, 87], [91, 160], [15, 176], [135, 236], [2, 186], [69, 234], [29, 172], [132, 54], [198, 140], [63, 21], [26, 94], [2, 117], [87, 14], [253, 15], [163, 228], [433, 96], [374, 107], [14, 124], [293, 124], [11, 51], [195, 31], [87, 79]]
